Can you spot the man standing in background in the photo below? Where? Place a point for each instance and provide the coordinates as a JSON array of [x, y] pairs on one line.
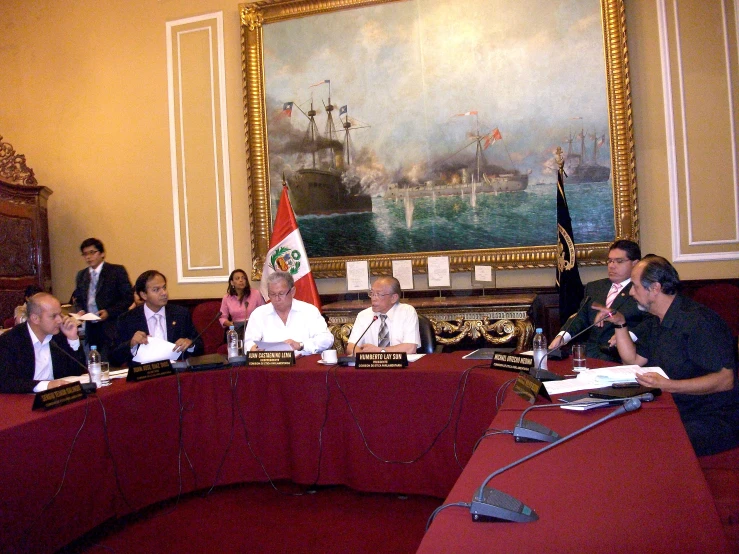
[[103, 289]]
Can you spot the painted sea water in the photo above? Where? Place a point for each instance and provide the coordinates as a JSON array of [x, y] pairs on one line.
[[427, 224]]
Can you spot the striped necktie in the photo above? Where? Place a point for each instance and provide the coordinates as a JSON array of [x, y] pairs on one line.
[[383, 337], [612, 294], [92, 306]]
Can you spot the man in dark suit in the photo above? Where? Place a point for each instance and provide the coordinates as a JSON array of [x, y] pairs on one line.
[[613, 292], [28, 360], [110, 298], [155, 318]]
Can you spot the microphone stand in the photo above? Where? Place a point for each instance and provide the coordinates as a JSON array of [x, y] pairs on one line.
[[489, 504], [545, 375], [183, 364], [86, 387], [345, 360]]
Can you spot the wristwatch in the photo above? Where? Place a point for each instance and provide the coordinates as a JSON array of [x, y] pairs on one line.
[[301, 345], [617, 326]]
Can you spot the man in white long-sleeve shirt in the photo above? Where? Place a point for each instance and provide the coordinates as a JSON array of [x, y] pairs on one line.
[[284, 319]]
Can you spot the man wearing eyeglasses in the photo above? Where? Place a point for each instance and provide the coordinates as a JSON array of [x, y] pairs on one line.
[[612, 292], [103, 289], [284, 319], [390, 326]]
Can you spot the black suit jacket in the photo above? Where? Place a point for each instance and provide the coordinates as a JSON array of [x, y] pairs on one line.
[[18, 360], [113, 293], [597, 291], [179, 325]]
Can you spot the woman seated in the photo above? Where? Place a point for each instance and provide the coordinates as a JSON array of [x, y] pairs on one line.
[[240, 300], [20, 315]]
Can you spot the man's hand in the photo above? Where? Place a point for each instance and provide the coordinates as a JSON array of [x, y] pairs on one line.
[[69, 328], [653, 380], [139, 337], [606, 314], [181, 345], [103, 315], [368, 348], [295, 345], [556, 342]]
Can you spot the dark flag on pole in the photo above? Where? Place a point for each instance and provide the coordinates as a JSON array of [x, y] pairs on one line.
[[568, 275]]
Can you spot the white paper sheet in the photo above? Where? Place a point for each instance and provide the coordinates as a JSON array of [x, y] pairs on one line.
[[273, 346], [156, 351], [438, 267], [483, 274], [601, 377], [86, 317], [403, 272], [357, 276]]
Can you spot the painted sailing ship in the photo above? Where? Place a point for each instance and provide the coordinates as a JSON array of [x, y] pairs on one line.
[[463, 178], [579, 170], [326, 187]]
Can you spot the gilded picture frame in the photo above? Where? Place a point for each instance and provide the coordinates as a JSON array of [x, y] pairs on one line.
[[255, 16]]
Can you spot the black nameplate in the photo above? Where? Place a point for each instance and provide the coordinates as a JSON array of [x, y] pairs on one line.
[[58, 396], [269, 358], [381, 360], [144, 372], [528, 387], [511, 362]]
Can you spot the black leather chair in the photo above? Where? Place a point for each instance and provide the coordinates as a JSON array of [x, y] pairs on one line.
[[428, 337]]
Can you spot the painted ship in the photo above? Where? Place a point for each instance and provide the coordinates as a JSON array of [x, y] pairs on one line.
[[326, 187], [461, 179], [578, 169]]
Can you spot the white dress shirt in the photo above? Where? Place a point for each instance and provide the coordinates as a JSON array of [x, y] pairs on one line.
[[304, 324], [402, 324], [43, 370]]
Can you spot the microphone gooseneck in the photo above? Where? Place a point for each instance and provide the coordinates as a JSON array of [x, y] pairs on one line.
[[374, 318]]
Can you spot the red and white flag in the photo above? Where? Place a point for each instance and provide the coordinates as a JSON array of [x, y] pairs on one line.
[[473, 112], [287, 253], [492, 138]]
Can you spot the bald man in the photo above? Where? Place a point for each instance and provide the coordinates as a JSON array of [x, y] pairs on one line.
[[390, 325], [28, 360]]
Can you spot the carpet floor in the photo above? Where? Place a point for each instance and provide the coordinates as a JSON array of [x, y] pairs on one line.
[[255, 518]]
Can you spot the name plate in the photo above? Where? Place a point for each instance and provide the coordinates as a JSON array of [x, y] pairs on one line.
[[511, 362], [381, 360], [144, 372], [58, 396], [528, 388], [275, 358]]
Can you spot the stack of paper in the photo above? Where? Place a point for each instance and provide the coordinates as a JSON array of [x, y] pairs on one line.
[[601, 377]]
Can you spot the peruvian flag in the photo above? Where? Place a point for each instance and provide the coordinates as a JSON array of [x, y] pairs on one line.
[[473, 112], [491, 138], [287, 253]]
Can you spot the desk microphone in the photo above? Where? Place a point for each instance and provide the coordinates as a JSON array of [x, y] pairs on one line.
[[490, 504], [345, 360], [86, 387], [183, 364]]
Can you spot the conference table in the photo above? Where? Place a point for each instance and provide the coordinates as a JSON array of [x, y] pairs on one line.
[[177, 434], [632, 481]]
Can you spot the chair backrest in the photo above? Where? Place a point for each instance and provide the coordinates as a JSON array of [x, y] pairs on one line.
[[722, 298], [214, 335], [428, 336], [8, 323]]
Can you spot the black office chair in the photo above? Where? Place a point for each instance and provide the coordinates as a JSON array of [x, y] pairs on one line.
[[428, 336]]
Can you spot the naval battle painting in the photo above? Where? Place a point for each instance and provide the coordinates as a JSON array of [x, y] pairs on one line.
[[415, 127]]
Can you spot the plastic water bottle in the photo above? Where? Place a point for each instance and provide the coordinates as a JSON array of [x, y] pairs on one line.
[[232, 340], [540, 350], [94, 366]]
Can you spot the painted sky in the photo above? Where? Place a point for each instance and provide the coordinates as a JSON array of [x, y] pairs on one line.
[[527, 67]]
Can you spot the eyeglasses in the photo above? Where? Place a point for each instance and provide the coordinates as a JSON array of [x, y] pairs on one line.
[[618, 261], [373, 294], [90, 253], [280, 295]]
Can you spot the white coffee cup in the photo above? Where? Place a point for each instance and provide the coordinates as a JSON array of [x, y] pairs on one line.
[[329, 357]]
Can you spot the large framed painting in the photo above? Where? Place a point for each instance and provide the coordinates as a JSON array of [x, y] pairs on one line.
[[413, 128]]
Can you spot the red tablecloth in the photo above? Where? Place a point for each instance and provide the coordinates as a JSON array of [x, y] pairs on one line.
[[632, 484], [283, 410]]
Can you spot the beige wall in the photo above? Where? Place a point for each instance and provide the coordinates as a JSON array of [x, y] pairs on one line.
[[83, 94]]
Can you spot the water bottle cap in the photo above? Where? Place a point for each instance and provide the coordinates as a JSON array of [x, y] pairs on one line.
[[538, 329], [93, 347], [231, 327]]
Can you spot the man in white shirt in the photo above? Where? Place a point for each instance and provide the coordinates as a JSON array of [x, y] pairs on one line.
[[28, 360], [298, 324], [390, 326]]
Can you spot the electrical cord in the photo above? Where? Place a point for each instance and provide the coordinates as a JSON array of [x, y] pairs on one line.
[[444, 507]]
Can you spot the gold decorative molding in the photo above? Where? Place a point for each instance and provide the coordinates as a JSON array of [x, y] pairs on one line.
[[623, 172], [13, 168]]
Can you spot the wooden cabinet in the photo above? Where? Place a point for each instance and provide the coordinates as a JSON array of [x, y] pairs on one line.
[[24, 231]]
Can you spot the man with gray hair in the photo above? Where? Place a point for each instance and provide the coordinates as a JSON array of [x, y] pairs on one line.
[[28, 360], [284, 319], [693, 346], [388, 325]]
